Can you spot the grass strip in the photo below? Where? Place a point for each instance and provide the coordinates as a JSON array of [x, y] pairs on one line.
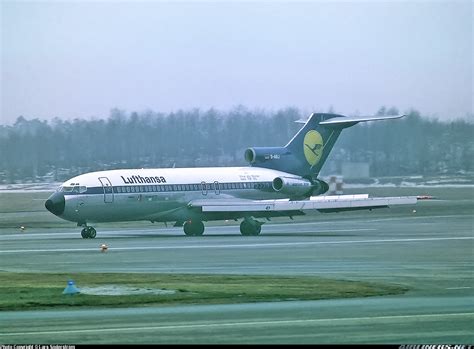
[[26, 291]]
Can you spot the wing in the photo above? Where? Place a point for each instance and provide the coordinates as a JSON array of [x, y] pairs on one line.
[[268, 208]]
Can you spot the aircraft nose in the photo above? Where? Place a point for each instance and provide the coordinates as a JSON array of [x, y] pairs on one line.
[[56, 204]]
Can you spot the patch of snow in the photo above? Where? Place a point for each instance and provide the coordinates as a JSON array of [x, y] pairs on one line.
[[120, 290], [26, 187]]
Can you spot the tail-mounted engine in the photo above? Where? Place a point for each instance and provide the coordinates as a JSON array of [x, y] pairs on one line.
[[258, 155], [299, 187], [293, 187]]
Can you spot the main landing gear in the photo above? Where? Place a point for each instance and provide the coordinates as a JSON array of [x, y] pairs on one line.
[[193, 228], [250, 227], [88, 233]]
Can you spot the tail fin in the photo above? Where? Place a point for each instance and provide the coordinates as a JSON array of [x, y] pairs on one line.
[[312, 144], [307, 151]]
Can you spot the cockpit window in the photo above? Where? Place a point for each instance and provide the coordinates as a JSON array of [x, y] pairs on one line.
[[73, 189]]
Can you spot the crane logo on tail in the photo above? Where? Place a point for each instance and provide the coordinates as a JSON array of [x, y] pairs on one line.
[[313, 147]]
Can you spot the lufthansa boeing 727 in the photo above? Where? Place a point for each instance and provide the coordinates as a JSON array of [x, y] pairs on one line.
[[279, 181]]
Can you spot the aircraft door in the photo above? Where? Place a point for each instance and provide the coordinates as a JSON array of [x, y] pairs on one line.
[[108, 189], [216, 188], [203, 188]]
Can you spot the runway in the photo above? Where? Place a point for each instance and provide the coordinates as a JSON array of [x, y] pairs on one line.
[[431, 253]]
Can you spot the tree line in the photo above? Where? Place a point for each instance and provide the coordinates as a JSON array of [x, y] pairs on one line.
[[41, 150]]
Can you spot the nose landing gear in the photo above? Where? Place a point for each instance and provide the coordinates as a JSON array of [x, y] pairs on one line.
[[88, 233]]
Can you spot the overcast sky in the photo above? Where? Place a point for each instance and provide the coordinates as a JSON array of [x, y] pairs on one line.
[[80, 59]]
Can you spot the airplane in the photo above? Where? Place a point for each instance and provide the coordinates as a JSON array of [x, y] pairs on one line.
[[279, 182]]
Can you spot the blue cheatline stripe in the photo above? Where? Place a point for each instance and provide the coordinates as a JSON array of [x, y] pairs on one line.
[[164, 188]]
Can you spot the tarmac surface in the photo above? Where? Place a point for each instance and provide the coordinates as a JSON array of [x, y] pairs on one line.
[[432, 254]]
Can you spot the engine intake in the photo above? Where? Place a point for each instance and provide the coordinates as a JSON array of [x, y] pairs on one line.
[[264, 154]]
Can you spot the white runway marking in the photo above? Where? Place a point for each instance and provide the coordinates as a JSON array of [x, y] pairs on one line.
[[233, 324], [220, 246], [457, 288], [414, 217], [148, 232]]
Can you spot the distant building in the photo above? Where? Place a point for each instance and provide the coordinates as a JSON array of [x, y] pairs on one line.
[[335, 185]]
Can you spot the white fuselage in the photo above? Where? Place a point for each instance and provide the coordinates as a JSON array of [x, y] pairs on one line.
[[162, 194]]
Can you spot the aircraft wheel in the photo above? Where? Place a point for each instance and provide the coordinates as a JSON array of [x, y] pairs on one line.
[[92, 232], [88, 233], [193, 228], [199, 228], [248, 228], [257, 230], [187, 228], [245, 228]]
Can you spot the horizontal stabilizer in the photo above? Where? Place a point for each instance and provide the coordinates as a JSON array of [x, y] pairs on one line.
[[351, 120]]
